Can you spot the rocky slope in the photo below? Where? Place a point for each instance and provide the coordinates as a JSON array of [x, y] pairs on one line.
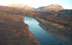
[[13, 31], [15, 11], [21, 6], [9, 10], [52, 7], [60, 23]]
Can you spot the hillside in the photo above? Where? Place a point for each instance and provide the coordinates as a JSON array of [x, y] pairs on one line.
[[13, 31], [52, 7], [21, 6], [59, 23], [15, 11], [9, 10]]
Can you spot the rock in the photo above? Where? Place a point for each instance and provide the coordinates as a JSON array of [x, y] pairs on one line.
[[60, 24], [14, 33], [22, 6], [52, 7]]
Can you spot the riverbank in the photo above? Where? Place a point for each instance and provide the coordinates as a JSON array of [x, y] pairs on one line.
[[55, 28], [13, 31], [44, 37]]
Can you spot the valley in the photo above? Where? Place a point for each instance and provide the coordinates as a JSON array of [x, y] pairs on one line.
[[25, 25]]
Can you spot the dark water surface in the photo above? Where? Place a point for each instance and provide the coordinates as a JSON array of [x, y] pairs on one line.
[[42, 36]]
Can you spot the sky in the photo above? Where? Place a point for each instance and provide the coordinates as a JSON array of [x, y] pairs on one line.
[[67, 4]]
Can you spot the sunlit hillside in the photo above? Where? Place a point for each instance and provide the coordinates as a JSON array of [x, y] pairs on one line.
[[21, 6]]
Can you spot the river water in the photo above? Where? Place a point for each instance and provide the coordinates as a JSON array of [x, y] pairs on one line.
[[41, 35]]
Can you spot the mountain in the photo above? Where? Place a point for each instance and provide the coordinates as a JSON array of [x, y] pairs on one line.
[[52, 7], [21, 6], [15, 10], [41, 7]]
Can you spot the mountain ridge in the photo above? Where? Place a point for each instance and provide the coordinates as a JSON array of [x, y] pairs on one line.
[[52, 7], [22, 6]]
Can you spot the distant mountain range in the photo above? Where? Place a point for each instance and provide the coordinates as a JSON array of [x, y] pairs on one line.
[[27, 10], [52, 7], [22, 6]]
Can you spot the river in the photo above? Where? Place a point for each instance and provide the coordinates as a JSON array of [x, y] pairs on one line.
[[41, 35]]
